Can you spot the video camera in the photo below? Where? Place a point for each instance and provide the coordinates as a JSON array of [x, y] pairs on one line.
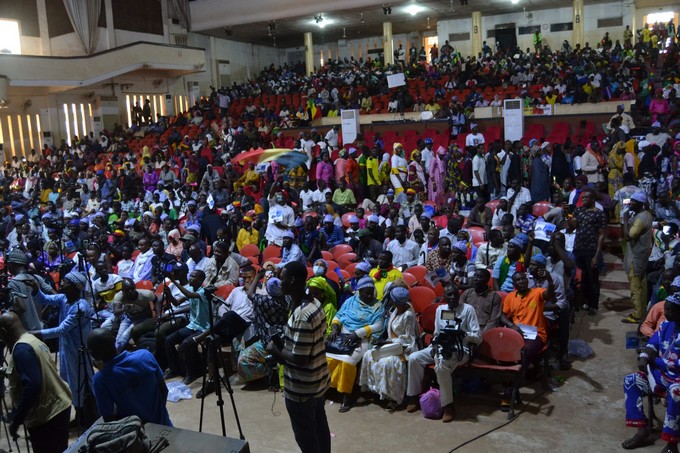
[[450, 340]]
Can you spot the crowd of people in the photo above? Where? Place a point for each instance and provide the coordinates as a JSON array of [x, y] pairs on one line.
[[136, 242]]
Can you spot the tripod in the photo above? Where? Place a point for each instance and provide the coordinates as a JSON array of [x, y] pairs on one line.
[[211, 349], [86, 415], [4, 408]]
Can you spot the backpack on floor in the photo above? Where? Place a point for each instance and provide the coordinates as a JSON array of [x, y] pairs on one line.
[[125, 435]]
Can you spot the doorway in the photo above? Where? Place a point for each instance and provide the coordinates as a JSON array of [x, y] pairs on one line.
[[506, 36]]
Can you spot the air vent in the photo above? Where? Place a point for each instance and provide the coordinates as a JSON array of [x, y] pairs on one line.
[[180, 40], [453, 37], [611, 22]]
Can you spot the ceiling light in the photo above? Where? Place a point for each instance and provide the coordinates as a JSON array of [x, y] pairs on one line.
[[321, 22], [413, 9], [514, 2]]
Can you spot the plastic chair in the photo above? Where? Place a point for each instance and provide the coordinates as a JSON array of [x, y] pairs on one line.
[[427, 319], [503, 295], [249, 250], [539, 209], [339, 250], [419, 272], [439, 290], [223, 291], [328, 256], [345, 274], [345, 218], [410, 279], [310, 273], [332, 275], [493, 204], [346, 259], [350, 268], [144, 284], [421, 298], [501, 351], [271, 251], [477, 234]]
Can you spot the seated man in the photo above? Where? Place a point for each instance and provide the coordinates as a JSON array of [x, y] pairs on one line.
[[445, 362], [199, 319], [384, 273], [656, 315], [660, 358], [525, 306], [129, 383], [506, 266], [404, 250], [489, 252], [487, 303], [137, 318]]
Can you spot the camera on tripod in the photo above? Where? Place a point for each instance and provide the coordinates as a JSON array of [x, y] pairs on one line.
[[449, 340]]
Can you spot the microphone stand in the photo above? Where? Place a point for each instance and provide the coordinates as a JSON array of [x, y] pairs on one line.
[[211, 348]]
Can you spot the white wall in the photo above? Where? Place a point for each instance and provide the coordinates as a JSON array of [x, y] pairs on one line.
[[461, 25]]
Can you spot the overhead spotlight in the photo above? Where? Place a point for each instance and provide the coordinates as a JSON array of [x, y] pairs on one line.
[[387, 9], [272, 25], [428, 23], [344, 34], [451, 10], [274, 41], [413, 9], [228, 31], [318, 18], [362, 18], [514, 2]]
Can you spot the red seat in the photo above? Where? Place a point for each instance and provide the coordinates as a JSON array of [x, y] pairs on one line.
[[271, 251], [144, 284], [249, 250], [539, 209], [350, 268], [477, 234], [419, 272], [347, 258], [328, 256], [223, 291], [501, 352], [345, 218], [410, 279], [493, 204], [421, 298], [340, 250]]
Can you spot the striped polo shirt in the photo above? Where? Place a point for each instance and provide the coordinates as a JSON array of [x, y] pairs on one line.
[[305, 336]]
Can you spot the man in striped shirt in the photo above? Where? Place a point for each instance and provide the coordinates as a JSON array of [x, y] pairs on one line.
[[304, 359]]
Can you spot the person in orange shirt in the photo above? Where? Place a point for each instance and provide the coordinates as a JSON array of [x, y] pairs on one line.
[[526, 306], [656, 315]]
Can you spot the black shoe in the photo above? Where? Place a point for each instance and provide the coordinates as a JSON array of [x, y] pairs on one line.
[[208, 388], [169, 375], [189, 379]]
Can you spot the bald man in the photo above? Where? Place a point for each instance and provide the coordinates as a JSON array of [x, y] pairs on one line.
[[129, 383], [42, 399]]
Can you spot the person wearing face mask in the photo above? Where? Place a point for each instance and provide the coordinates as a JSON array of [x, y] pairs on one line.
[[127, 383], [320, 268], [281, 217], [361, 318], [461, 317]]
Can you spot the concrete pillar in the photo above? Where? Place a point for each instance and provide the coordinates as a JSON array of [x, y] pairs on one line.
[[45, 48], [110, 30], [388, 45], [476, 40], [309, 53], [578, 23]]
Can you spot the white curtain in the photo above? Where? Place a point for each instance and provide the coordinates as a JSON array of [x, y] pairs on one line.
[[84, 15], [183, 13]]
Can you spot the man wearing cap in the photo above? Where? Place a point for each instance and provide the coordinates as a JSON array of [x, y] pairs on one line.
[[637, 231], [461, 317], [290, 251], [404, 250], [74, 326], [556, 309], [331, 234], [657, 361], [21, 288], [475, 137], [407, 209], [281, 217], [626, 120], [514, 261], [656, 136]]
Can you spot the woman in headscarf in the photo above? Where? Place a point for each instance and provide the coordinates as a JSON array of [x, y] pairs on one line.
[[175, 246], [150, 178], [399, 168], [437, 172], [383, 368], [322, 291], [384, 169], [361, 318], [615, 176], [416, 172]]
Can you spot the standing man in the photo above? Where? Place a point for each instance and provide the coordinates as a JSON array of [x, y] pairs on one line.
[[129, 383], [637, 231], [42, 399], [591, 228], [304, 363]]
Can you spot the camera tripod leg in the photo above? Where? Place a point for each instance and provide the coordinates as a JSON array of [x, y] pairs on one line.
[[210, 351], [227, 386]]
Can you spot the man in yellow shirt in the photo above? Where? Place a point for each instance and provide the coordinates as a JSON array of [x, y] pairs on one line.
[[249, 177], [373, 173], [247, 234], [384, 273]]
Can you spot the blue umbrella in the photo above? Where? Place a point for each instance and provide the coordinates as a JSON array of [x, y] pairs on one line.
[[290, 160]]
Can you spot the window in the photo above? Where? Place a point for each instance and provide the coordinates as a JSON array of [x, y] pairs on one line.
[[661, 18], [10, 38]]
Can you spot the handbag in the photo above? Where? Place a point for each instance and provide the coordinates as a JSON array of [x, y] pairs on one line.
[[125, 435], [341, 345]]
